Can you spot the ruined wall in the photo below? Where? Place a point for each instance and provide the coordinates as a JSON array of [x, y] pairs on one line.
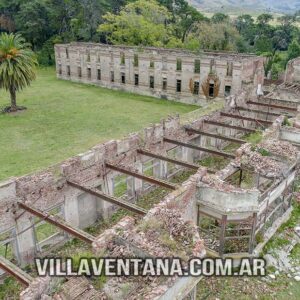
[[292, 74], [133, 69]]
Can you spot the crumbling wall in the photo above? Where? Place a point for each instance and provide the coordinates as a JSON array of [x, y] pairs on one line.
[[130, 69], [292, 74], [48, 189]]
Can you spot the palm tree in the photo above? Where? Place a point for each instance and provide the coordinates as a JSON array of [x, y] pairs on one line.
[[17, 65]]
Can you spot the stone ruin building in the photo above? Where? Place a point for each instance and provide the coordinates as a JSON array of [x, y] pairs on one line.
[[164, 73], [228, 208]]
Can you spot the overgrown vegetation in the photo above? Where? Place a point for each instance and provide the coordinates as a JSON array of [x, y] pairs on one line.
[[10, 289], [286, 122], [253, 138]]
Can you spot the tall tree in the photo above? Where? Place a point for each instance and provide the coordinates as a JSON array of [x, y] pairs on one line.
[[32, 21], [139, 23], [293, 50], [220, 18], [17, 65], [184, 17]]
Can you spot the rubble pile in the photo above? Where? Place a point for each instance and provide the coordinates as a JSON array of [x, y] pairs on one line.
[[165, 233], [220, 185], [142, 287], [250, 158], [281, 148]]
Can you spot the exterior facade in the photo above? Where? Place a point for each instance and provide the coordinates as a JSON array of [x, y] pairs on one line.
[[164, 73]]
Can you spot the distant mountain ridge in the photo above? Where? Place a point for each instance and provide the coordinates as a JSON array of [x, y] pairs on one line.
[[279, 6]]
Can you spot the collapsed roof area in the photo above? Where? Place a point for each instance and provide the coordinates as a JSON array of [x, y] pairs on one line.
[[240, 165]]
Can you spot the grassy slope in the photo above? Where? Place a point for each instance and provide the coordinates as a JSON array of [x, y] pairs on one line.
[[64, 119]]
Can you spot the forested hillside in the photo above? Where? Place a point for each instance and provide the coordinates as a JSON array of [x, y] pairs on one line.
[[250, 5], [162, 23]]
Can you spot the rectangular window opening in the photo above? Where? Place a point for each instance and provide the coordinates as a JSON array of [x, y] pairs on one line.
[[122, 59], [6, 245], [120, 185], [227, 90], [136, 79], [197, 66], [79, 72], [212, 65], [112, 76], [123, 78], [89, 73], [151, 64], [165, 84], [44, 230], [99, 74], [136, 60], [67, 53], [196, 88], [178, 86], [151, 82], [229, 68], [68, 71], [178, 64]]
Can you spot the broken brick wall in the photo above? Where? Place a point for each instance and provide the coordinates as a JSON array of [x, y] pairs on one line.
[[292, 74]]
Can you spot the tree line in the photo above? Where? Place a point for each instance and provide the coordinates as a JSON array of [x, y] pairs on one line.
[[160, 23]]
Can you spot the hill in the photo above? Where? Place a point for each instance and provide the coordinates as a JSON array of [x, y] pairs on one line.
[[243, 6]]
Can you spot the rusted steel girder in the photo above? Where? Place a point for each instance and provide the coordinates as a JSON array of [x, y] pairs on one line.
[[293, 109], [246, 118], [281, 100], [188, 145], [95, 192], [60, 224], [149, 179], [171, 160], [15, 271], [257, 111], [217, 136], [250, 130]]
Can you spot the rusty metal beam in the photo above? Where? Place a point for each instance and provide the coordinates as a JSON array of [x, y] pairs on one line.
[[15, 271], [257, 111], [149, 179], [95, 192], [273, 106], [188, 145], [80, 234], [250, 130], [217, 136], [172, 160], [246, 118], [168, 159], [281, 100]]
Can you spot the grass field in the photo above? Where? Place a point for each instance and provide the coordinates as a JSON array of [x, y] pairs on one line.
[[65, 118]]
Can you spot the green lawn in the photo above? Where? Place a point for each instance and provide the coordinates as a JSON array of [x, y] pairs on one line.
[[65, 118]]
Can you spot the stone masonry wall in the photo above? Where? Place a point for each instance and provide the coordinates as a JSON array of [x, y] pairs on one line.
[[132, 70]]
